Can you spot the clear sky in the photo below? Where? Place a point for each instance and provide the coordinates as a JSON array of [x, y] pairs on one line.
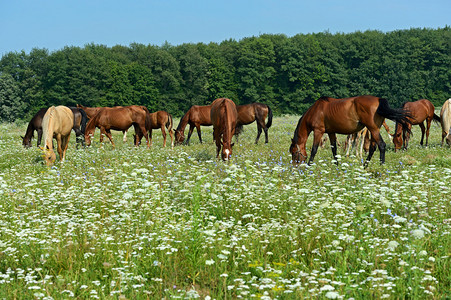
[[53, 24]]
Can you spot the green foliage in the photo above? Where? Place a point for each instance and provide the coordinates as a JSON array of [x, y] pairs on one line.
[[287, 73]]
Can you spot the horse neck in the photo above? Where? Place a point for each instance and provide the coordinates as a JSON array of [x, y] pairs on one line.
[[30, 129], [226, 137], [91, 124], [184, 121]]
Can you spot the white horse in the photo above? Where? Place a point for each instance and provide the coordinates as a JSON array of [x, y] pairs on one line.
[[445, 120]]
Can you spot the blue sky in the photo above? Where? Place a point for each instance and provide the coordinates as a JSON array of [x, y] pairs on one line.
[[53, 24]]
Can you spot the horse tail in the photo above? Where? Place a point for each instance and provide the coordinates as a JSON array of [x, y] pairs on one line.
[[169, 123], [436, 119], [269, 123], [400, 115], [84, 120]]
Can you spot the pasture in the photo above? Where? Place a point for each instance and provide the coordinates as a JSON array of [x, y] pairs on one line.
[[134, 223]]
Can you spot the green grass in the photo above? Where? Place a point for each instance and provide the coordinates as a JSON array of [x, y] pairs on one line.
[[139, 223]]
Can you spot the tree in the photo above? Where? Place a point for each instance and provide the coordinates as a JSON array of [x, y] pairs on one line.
[[11, 105]]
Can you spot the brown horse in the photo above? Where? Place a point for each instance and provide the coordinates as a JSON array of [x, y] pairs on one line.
[[445, 120], [420, 111], [343, 116], [57, 123], [80, 120], [118, 118], [223, 115], [196, 116], [249, 113], [92, 111], [156, 120]]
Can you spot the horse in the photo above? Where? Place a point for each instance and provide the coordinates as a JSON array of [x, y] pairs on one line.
[[420, 111], [445, 120], [80, 120], [224, 116], [249, 113], [56, 123], [196, 116], [92, 111], [344, 116], [363, 137], [156, 120], [118, 118]]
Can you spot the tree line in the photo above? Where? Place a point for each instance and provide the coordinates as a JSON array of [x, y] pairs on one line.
[[287, 73]]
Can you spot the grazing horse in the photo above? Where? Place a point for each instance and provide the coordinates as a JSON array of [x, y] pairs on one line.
[[249, 113], [92, 111], [156, 120], [445, 120], [343, 116], [363, 137], [419, 111], [118, 118], [196, 116], [57, 123], [224, 117], [80, 120]]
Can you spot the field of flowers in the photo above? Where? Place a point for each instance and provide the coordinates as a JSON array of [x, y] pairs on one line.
[[134, 223]]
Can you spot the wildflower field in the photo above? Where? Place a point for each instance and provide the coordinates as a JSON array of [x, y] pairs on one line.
[[137, 223]]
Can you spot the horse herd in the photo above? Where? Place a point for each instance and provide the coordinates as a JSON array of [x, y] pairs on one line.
[[355, 116]]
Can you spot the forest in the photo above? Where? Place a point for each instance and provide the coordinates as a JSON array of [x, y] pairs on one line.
[[287, 73]]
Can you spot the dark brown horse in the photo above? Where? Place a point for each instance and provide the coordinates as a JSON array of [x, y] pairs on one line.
[[196, 116], [80, 120], [118, 118], [223, 115], [344, 116], [249, 113], [92, 111], [157, 120], [420, 111]]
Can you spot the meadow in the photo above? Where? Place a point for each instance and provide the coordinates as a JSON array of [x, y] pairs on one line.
[[137, 223]]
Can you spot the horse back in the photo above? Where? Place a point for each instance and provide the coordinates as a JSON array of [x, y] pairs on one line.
[[419, 110], [200, 114]]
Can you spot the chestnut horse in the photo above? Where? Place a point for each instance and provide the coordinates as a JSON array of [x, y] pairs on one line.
[[156, 120], [445, 120], [56, 123], [249, 113], [196, 116], [223, 115], [420, 111], [80, 120], [118, 118], [92, 111], [343, 116]]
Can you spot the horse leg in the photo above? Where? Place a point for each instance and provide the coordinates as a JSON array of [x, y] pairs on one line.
[[171, 134], [59, 141], [124, 138], [259, 132], [333, 145], [190, 132], [65, 144], [376, 139], [217, 139], [110, 137], [423, 130], [39, 136], [198, 133], [163, 132], [316, 141]]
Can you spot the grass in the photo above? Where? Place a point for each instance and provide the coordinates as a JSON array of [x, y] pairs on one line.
[[134, 223]]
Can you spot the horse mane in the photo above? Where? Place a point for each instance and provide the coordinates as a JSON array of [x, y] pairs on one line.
[[184, 120], [324, 98], [46, 125]]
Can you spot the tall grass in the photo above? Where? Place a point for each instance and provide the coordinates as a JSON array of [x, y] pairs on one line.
[[134, 223]]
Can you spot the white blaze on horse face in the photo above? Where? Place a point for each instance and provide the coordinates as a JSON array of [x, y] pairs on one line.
[[227, 151]]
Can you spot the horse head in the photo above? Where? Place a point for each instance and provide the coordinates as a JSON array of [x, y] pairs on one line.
[[297, 155], [48, 155], [397, 137], [226, 151], [179, 137], [26, 142]]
